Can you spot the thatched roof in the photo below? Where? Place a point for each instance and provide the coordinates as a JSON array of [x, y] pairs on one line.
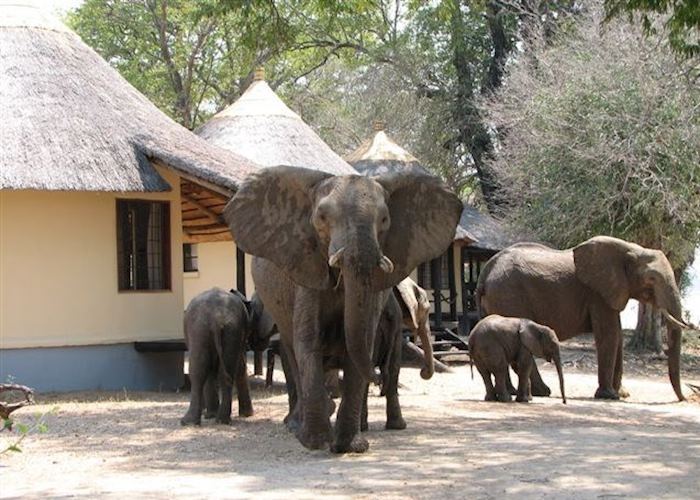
[[380, 155], [261, 127], [71, 122], [490, 234]]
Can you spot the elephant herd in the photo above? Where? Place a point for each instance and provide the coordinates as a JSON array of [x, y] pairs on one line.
[[327, 252]]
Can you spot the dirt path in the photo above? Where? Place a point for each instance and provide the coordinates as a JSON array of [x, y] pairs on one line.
[[456, 446]]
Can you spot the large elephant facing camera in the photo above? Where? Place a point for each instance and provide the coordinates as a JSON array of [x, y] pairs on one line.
[[329, 249], [583, 289]]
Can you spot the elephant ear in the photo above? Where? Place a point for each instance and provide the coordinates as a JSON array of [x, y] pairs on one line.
[[531, 337], [424, 215], [601, 265], [270, 217]]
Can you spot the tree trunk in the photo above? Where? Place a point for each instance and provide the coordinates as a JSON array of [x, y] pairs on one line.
[[648, 336]]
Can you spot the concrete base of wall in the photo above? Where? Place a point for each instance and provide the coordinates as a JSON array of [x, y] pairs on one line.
[[105, 367]]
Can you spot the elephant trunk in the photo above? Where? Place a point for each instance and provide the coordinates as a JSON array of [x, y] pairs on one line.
[[362, 312], [425, 342], [669, 301], [557, 362]]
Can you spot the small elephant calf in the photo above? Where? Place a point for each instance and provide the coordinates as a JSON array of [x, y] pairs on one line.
[[220, 326], [497, 342]]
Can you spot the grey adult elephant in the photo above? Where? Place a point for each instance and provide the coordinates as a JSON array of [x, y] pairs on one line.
[[583, 289], [328, 250]]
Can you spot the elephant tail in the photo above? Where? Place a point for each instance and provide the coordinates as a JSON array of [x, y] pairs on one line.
[[218, 343]]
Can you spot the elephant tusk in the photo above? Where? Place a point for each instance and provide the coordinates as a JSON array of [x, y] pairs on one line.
[[679, 324], [386, 264], [335, 258]]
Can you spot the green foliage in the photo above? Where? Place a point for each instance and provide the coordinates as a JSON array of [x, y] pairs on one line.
[[682, 20], [37, 425], [601, 136]]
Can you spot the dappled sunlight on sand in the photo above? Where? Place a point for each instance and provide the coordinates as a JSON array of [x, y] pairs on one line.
[[455, 446]]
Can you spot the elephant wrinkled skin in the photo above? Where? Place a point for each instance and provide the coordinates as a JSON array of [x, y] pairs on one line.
[[583, 289], [328, 250], [497, 342], [216, 334]]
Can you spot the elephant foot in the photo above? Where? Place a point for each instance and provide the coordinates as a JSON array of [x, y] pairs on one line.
[[623, 393], [292, 423], [396, 423], [541, 390], [490, 397], [606, 393], [190, 420], [223, 419], [245, 411], [522, 399], [357, 445], [504, 397], [313, 440], [209, 414]]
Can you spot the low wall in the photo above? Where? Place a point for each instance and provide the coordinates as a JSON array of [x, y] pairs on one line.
[[104, 367]]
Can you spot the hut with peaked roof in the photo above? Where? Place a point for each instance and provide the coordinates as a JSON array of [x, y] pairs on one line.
[[262, 128], [95, 183], [452, 276]]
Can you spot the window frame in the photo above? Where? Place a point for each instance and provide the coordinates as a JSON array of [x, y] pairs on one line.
[[166, 246], [193, 257]]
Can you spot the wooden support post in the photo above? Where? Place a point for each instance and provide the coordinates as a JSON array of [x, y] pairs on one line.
[[436, 283], [451, 280], [240, 271]]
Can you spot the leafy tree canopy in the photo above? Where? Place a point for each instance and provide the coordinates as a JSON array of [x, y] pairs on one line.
[[682, 20]]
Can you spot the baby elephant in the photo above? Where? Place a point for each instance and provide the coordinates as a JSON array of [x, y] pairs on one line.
[[497, 342], [216, 333]]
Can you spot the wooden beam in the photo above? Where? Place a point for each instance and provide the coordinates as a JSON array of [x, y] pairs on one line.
[[205, 210], [212, 230], [196, 222], [202, 227]]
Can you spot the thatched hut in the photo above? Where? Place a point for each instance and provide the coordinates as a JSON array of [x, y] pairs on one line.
[[260, 127], [94, 182], [452, 276]]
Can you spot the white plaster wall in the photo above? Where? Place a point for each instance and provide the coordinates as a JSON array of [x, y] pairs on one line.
[[58, 272], [217, 267]]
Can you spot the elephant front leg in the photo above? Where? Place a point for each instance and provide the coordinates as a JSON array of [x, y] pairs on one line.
[[364, 423], [617, 376], [291, 375], [537, 385], [347, 426], [523, 367], [608, 339], [315, 430], [394, 418]]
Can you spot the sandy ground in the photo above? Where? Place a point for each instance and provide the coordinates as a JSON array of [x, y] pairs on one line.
[[456, 446]]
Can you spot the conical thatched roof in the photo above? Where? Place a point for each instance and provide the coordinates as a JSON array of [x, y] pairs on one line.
[[261, 127], [380, 155], [490, 234], [71, 122]]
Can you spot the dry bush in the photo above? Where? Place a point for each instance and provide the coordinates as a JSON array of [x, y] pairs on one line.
[[600, 134]]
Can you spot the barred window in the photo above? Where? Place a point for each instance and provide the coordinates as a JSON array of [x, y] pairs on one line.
[[143, 245], [189, 254]]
